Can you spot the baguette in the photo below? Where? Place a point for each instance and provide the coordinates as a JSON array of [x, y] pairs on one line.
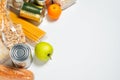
[[10, 73]]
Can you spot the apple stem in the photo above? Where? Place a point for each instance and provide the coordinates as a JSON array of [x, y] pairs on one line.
[[49, 56]]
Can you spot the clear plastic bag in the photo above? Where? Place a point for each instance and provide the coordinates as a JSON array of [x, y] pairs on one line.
[[64, 3], [11, 33]]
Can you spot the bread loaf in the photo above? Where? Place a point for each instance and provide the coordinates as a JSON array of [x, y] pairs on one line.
[[9, 73]]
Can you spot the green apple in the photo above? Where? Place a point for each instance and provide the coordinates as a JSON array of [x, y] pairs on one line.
[[43, 51]]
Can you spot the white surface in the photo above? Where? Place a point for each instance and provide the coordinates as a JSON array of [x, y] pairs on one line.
[[86, 42]]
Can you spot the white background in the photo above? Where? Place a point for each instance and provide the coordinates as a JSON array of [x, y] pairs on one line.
[[86, 41]]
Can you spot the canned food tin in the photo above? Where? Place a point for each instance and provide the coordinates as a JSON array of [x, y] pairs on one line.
[[21, 55], [32, 12]]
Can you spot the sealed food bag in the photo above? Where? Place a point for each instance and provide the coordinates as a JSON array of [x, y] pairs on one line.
[[11, 33], [65, 3], [33, 33], [4, 52]]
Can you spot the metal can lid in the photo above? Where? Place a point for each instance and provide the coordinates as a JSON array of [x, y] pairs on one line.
[[20, 52]]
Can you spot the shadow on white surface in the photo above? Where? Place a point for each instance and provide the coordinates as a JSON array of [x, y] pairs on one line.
[[37, 62], [49, 19], [44, 38]]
